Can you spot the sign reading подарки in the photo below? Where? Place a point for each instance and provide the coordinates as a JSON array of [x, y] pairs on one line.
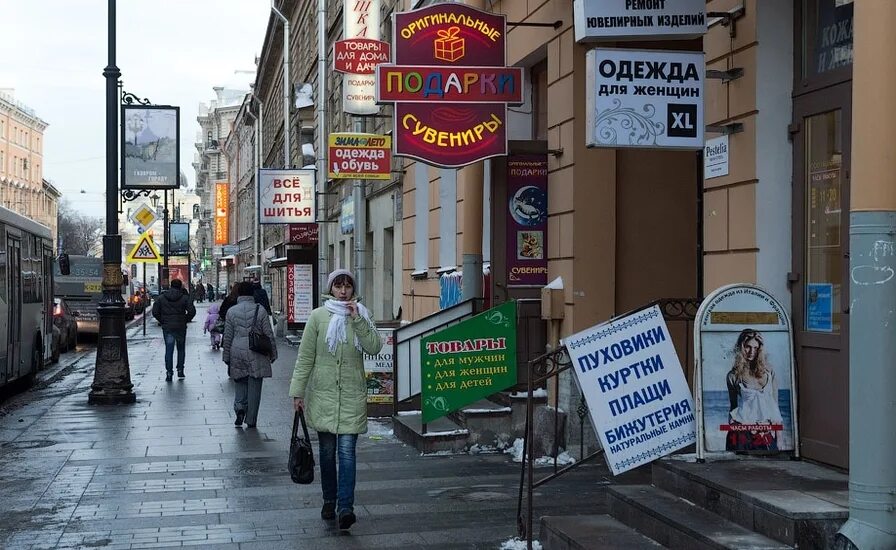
[[630, 375]]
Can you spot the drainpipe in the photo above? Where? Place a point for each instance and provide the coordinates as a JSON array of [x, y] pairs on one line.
[[286, 127], [256, 231], [872, 287], [360, 229], [322, 144]]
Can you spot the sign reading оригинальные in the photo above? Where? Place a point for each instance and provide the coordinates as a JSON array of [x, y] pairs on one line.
[[638, 19], [464, 363], [450, 85], [644, 98], [639, 401]]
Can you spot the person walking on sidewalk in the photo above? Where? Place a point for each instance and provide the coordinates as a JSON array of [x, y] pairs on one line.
[[245, 367], [328, 382], [173, 310]]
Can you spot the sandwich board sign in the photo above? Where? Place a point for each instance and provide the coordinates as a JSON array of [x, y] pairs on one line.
[[630, 375], [145, 251]]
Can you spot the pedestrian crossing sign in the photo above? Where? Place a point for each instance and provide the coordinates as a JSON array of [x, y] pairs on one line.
[[145, 251]]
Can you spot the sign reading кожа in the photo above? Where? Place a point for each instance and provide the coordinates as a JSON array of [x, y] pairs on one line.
[[639, 401], [644, 98], [286, 196], [638, 19]]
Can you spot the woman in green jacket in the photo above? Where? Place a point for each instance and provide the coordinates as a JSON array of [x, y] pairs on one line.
[[329, 383]]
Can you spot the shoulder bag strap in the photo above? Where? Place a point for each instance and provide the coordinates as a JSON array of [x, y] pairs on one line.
[[255, 317], [295, 424], [301, 414]]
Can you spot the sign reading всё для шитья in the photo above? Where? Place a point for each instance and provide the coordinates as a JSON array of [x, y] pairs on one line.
[[450, 85], [468, 361]]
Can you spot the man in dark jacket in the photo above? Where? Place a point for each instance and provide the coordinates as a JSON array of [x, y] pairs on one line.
[[173, 310], [261, 295]]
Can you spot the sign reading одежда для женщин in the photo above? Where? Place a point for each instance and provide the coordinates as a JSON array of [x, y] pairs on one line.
[[468, 361], [630, 375], [644, 98]]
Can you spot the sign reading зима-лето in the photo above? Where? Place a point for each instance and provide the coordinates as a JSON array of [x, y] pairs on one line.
[[638, 19], [464, 363]]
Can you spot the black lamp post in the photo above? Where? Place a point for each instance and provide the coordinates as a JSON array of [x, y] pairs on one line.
[[112, 377]]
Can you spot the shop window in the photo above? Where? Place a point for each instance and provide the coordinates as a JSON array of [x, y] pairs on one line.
[[827, 37], [824, 256]]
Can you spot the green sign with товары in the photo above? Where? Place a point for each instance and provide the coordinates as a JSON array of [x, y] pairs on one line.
[[464, 363]]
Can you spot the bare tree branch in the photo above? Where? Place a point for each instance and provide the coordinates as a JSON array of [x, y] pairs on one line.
[[77, 231]]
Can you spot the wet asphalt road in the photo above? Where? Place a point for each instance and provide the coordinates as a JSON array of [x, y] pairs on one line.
[[172, 470]]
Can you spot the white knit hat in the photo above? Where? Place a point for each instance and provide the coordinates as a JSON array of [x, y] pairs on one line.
[[336, 274]]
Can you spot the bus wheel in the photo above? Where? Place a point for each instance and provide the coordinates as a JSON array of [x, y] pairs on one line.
[[37, 357]]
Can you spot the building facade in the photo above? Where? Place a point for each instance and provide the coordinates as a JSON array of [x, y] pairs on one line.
[[211, 166], [23, 188]]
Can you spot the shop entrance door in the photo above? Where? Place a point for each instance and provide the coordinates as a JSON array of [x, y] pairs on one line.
[[820, 281]]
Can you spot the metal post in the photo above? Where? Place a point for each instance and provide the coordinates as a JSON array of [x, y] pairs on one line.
[[112, 377], [167, 278], [322, 127], [360, 227], [141, 298]]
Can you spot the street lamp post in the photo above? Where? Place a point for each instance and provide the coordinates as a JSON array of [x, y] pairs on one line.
[[112, 377]]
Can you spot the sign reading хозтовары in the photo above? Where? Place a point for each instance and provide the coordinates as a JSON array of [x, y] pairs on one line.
[[639, 401], [638, 19], [644, 98]]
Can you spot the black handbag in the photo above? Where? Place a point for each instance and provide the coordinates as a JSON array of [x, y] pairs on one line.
[[259, 342], [301, 457]]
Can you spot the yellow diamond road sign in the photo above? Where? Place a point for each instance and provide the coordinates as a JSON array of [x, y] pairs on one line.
[[144, 217], [145, 251]]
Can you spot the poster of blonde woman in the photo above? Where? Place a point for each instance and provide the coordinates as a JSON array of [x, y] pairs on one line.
[[745, 373]]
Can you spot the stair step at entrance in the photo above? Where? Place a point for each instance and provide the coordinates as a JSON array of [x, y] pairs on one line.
[[596, 532], [678, 523], [489, 423], [442, 434], [797, 503]]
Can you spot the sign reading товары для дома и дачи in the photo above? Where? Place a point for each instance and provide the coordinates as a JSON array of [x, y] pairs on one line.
[[630, 375]]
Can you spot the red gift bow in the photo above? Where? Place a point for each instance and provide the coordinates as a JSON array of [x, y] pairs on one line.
[[452, 32]]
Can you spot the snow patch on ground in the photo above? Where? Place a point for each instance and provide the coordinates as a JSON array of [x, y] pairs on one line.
[[379, 429], [517, 544], [516, 452], [540, 392]]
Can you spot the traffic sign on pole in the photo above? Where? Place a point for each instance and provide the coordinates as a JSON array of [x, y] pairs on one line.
[[145, 251]]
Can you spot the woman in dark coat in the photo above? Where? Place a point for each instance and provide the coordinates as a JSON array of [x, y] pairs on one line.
[[245, 367], [229, 301]]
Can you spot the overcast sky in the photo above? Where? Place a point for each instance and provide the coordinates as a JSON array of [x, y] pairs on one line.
[[53, 52]]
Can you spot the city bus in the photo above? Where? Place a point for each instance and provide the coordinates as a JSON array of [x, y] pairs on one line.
[[82, 290], [26, 297]]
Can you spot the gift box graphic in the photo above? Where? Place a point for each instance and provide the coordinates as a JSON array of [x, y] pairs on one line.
[[449, 46]]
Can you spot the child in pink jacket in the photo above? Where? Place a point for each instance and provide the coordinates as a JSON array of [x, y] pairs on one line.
[[214, 333]]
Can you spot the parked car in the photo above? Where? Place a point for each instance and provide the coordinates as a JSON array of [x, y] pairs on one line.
[[64, 320]]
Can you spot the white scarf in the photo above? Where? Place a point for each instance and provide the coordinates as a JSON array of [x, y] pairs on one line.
[[336, 329]]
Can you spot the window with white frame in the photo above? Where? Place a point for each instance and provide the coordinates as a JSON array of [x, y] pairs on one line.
[[421, 220]]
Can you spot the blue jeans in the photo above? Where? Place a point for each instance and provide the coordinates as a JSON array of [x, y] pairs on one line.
[[342, 492], [172, 338], [247, 397]]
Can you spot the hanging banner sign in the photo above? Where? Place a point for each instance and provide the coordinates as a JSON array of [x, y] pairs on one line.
[[303, 233], [745, 375], [150, 147], [222, 198], [638, 19], [639, 401], [468, 361], [360, 156], [450, 84], [360, 20], [299, 292], [527, 220], [644, 98], [359, 55], [286, 196], [378, 368]]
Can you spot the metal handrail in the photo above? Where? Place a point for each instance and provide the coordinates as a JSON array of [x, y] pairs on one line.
[[550, 365]]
